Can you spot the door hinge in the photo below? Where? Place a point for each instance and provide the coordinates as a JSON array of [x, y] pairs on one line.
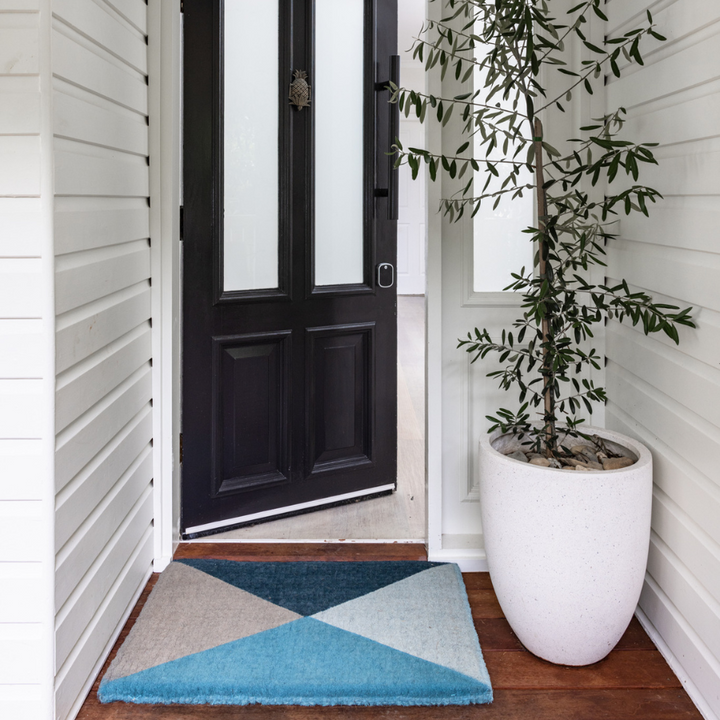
[[182, 223], [180, 452]]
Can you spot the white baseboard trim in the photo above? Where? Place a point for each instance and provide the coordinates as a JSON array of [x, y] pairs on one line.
[[469, 560], [675, 665], [159, 564]]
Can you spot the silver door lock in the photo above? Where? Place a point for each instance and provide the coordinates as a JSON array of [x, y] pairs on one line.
[[385, 275]]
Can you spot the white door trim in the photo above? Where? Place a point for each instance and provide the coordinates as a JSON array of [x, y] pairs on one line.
[[165, 62]]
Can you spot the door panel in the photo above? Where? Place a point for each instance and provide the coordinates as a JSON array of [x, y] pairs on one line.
[[341, 368], [251, 397], [289, 387]]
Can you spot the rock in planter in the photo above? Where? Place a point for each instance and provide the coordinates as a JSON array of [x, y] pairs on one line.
[[617, 463], [567, 551]]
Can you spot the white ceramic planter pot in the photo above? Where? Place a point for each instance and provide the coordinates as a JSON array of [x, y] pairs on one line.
[[567, 550]]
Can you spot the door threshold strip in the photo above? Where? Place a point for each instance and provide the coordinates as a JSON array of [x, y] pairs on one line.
[[311, 541], [230, 522]]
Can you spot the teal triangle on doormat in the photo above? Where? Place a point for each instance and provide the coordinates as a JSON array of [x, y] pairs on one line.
[[309, 587], [305, 662]]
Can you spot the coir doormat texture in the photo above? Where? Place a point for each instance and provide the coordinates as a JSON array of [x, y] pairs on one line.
[[302, 633]]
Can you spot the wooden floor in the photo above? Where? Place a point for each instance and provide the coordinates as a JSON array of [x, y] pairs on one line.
[[400, 516], [633, 682]]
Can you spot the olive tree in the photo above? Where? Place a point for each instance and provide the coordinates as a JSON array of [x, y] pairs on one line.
[[512, 46]]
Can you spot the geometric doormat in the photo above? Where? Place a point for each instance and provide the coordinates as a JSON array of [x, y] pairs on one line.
[[302, 633]]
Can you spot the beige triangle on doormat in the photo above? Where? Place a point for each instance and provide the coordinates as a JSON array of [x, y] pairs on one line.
[[187, 612]]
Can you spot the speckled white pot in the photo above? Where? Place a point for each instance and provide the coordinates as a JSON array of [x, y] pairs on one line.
[[567, 550]]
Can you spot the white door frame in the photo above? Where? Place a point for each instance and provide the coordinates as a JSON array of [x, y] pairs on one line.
[[164, 61], [165, 90]]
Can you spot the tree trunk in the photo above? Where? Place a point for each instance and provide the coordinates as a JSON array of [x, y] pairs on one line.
[[549, 414]]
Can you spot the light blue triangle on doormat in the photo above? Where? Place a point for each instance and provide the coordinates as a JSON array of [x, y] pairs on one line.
[[304, 662]]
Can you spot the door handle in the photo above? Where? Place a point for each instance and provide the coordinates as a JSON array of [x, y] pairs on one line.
[[385, 275], [393, 174], [391, 192]]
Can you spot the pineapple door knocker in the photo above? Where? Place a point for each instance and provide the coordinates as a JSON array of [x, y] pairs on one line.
[[300, 90]]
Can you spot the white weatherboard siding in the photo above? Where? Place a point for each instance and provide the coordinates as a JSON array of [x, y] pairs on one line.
[[103, 413], [664, 395], [26, 377]]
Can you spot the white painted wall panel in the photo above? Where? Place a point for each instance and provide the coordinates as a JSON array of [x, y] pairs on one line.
[[20, 114], [77, 174], [692, 491], [98, 72], [84, 277], [20, 227], [134, 11], [21, 644], [80, 442], [78, 499], [685, 648], [21, 591], [22, 402], [25, 358], [21, 346], [106, 30], [104, 560], [82, 333], [21, 469], [89, 381], [86, 223], [21, 701], [19, 165], [81, 551], [94, 120], [21, 288], [669, 396], [103, 410], [18, 47], [19, 5], [681, 222], [21, 533], [96, 642], [694, 64]]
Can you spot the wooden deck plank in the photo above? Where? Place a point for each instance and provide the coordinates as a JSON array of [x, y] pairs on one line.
[[496, 634], [632, 683], [484, 604], [613, 704], [280, 552], [626, 669]]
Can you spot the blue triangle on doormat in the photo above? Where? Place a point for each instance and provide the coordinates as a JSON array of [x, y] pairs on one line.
[[309, 587], [305, 662]]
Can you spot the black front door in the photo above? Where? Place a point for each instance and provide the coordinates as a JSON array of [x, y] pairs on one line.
[[289, 301]]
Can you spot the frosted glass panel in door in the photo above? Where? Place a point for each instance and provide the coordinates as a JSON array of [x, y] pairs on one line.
[[338, 105], [250, 245]]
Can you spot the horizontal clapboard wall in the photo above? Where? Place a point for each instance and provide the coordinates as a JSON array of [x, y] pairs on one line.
[[668, 396], [103, 413], [25, 377]]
